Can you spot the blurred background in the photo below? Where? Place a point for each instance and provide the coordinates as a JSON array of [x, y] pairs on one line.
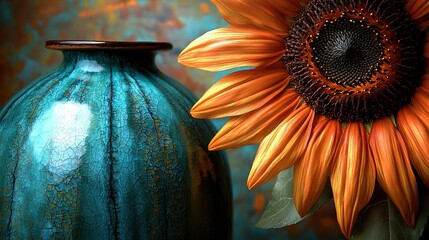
[[25, 25]]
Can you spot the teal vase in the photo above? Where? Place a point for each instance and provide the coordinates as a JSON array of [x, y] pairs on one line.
[[105, 148]]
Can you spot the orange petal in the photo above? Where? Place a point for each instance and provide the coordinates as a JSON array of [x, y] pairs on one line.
[[420, 100], [418, 8], [414, 127], [252, 127], [394, 172], [419, 11], [353, 175], [241, 92], [290, 8], [232, 47], [310, 174], [242, 13], [282, 147]]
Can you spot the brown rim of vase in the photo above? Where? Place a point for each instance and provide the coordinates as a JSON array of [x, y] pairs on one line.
[[106, 45]]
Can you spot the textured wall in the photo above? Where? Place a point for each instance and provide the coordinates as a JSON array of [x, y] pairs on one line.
[[25, 26]]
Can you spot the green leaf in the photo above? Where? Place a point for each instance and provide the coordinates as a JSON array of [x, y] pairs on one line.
[[382, 220], [281, 209]]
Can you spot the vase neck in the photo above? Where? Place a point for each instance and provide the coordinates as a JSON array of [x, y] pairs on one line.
[[110, 58], [104, 54]]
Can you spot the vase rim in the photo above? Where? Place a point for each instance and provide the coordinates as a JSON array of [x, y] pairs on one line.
[[106, 45]]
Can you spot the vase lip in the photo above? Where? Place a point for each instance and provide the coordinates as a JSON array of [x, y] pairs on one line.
[[106, 45]]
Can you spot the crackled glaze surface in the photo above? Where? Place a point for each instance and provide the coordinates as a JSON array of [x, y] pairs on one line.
[[104, 148]]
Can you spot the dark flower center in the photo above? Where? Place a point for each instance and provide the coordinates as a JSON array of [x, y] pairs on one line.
[[354, 60], [347, 52]]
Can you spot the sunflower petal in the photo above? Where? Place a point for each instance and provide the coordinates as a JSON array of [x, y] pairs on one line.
[[290, 8], [414, 128], [353, 175], [240, 92], [232, 47], [252, 127], [394, 172], [282, 147], [419, 11], [421, 101], [242, 13], [311, 173]]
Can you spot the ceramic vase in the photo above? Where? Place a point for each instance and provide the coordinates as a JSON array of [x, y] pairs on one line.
[[104, 148]]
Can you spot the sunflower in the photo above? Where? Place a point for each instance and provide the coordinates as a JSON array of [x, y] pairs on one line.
[[337, 89]]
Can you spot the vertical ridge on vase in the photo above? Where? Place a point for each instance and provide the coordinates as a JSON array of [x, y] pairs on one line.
[[55, 158], [114, 219], [95, 195], [196, 156], [72, 113], [142, 122], [171, 88], [167, 177]]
